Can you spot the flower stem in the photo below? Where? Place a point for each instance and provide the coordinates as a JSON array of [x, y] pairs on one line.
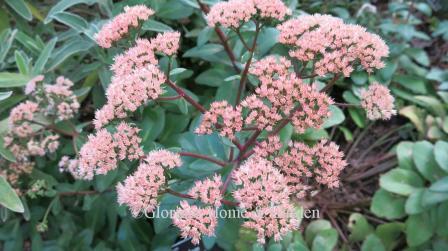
[[187, 97], [204, 157]]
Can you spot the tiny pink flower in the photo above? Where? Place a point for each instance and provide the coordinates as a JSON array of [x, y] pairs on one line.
[[194, 221], [378, 102], [208, 191]]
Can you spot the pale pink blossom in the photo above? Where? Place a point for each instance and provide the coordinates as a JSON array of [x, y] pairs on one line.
[[50, 143], [194, 221], [103, 116], [268, 147], [234, 13], [270, 68], [20, 117], [272, 221], [60, 101], [336, 47], [98, 155], [208, 191], [139, 191], [128, 92], [127, 142], [313, 109], [229, 118], [260, 114], [378, 102], [259, 184], [136, 57], [163, 158], [35, 148], [330, 163], [119, 26], [32, 84], [273, 9], [231, 14], [296, 164], [166, 43], [69, 165]]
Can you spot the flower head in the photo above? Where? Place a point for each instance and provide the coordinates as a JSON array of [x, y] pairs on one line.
[[260, 114], [20, 117], [208, 191], [140, 190], [231, 14], [194, 221], [221, 112], [31, 85], [128, 92], [166, 43], [128, 142], [259, 184], [268, 147], [335, 46], [378, 102], [136, 57], [98, 155], [118, 27], [272, 221]]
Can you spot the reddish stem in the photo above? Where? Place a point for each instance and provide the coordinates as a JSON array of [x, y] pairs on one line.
[[187, 97], [204, 157]]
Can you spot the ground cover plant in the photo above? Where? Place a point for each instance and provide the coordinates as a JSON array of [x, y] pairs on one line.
[[114, 112]]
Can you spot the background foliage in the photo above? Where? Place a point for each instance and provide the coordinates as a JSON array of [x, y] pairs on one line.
[[395, 192]]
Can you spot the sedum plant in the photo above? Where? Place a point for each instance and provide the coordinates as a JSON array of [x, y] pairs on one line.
[[259, 169]]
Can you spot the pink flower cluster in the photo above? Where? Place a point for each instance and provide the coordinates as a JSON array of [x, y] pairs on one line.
[[28, 135], [378, 102], [118, 27], [223, 116], [234, 13], [102, 151], [260, 113], [208, 191], [301, 164], [336, 47], [268, 147], [262, 193], [136, 79], [128, 92], [140, 190], [194, 221], [69, 165]]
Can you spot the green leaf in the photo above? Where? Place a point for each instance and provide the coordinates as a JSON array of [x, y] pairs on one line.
[[67, 50], [72, 20], [5, 152], [390, 234], [387, 205], [44, 56], [21, 62], [5, 95], [203, 51], [413, 83], [401, 181], [20, 7], [337, 117], [359, 77], [63, 5], [213, 77], [357, 116], [359, 227], [153, 25], [440, 185], [9, 198], [433, 105], [174, 9], [325, 240], [372, 243], [441, 154], [418, 230], [414, 203], [419, 55], [177, 71], [425, 162], [430, 198], [9, 79], [404, 155], [314, 228]]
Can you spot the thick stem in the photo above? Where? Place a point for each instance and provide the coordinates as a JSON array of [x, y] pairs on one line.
[[52, 127], [187, 97], [204, 157], [237, 31], [330, 85], [248, 144], [222, 37], [244, 74]]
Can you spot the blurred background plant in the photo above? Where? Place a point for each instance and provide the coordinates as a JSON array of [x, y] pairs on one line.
[[394, 193]]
